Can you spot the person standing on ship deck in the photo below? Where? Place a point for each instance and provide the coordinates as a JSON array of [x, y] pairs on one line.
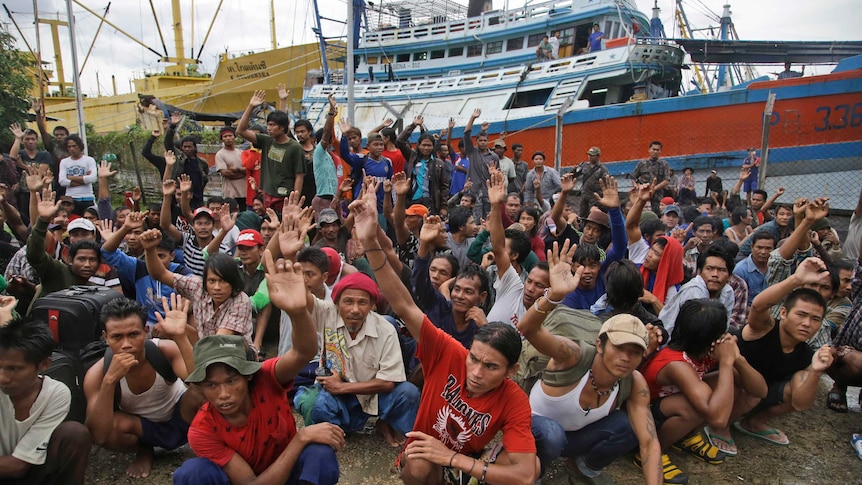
[[481, 158], [653, 169]]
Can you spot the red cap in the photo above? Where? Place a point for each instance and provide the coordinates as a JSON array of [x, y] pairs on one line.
[[334, 264], [668, 201], [249, 237], [202, 210]]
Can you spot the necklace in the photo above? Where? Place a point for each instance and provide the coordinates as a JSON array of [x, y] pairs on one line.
[[600, 394]]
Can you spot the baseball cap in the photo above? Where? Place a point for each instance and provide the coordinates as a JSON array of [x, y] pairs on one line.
[[334, 264], [671, 208], [221, 349], [81, 223], [249, 237], [327, 216], [668, 201], [621, 329], [499, 143], [417, 210], [202, 211], [594, 151], [714, 171], [373, 136], [648, 216]]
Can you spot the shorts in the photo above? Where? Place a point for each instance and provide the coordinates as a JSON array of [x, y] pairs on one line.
[[774, 395], [454, 476], [657, 415], [170, 434], [273, 202], [749, 185]]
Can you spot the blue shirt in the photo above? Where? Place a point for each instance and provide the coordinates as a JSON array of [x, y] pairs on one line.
[[148, 291], [596, 41], [437, 308], [754, 278], [324, 172], [459, 178], [584, 299]]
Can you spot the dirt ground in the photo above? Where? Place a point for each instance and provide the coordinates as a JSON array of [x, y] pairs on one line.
[[819, 452]]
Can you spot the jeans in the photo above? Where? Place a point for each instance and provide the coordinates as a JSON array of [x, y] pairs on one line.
[[398, 408], [316, 464], [598, 444]]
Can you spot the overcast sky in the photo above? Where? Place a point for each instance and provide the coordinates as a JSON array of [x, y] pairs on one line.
[[244, 25]]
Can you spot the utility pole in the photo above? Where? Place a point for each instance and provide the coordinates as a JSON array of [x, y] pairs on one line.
[[79, 99]]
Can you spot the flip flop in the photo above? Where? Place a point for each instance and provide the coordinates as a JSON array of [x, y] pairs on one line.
[[762, 435], [837, 401], [720, 442]]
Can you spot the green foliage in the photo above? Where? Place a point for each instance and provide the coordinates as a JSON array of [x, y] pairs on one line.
[[15, 87]]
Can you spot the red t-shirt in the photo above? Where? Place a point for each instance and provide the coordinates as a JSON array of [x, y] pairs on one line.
[[465, 424], [398, 160], [663, 357], [251, 164], [266, 434]]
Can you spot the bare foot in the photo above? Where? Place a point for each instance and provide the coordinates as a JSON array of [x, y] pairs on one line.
[[141, 465], [395, 439]]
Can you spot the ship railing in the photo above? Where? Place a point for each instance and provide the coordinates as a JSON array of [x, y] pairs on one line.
[[492, 19]]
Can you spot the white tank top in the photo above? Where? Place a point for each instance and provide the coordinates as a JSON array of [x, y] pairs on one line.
[[156, 403], [566, 409]]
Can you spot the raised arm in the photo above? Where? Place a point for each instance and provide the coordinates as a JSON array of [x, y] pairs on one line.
[[134, 220], [642, 194], [227, 224], [563, 351], [771, 201], [47, 139], [403, 140], [169, 143], [329, 125], [169, 187], [401, 184], [567, 184], [242, 130], [760, 321], [468, 131], [173, 326], [610, 199], [497, 197], [384, 124], [283, 97], [150, 240]]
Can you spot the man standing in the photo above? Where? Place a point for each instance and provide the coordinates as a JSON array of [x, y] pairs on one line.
[[229, 164], [302, 129], [282, 169], [555, 44], [521, 169], [36, 446], [507, 166], [653, 169], [481, 158], [752, 161], [189, 161], [596, 39], [788, 73], [592, 172]]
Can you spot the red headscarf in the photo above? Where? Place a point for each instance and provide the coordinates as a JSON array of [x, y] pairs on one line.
[[670, 270]]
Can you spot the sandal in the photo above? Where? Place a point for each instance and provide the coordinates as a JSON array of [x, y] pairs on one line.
[[763, 435], [726, 445], [836, 400]]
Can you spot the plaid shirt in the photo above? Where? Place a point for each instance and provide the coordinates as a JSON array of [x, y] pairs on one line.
[[779, 269], [851, 332], [739, 313], [234, 314]]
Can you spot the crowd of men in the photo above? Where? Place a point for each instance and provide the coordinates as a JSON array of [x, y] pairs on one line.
[[441, 288]]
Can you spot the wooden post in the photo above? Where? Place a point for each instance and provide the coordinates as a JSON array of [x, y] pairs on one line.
[[558, 137], [764, 140]]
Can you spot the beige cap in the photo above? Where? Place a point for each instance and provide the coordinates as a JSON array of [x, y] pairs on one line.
[[625, 329]]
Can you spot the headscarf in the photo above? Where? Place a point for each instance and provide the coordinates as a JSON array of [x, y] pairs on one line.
[[669, 271]]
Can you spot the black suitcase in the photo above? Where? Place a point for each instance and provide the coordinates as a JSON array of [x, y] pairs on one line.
[[73, 315], [67, 369]]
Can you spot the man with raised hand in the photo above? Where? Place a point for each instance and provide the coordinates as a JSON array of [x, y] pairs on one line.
[[245, 432]]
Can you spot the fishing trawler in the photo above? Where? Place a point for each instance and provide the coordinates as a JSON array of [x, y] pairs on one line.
[[441, 60]]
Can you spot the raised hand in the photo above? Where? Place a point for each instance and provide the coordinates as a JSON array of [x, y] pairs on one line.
[[176, 117], [387, 186], [388, 122], [170, 158], [333, 105], [799, 207], [273, 217], [305, 221], [346, 185], [369, 188], [173, 324], [745, 172], [496, 188], [419, 120], [16, 130], [156, 133], [344, 125], [283, 92], [431, 230], [468, 185], [185, 183], [105, 171], [485, 126], [451, 125], [37, 105], [476, 113], [258, 98], [227, 219], [137, 194], [811, 270], [365, 224], [779, 191], [610, 198], [134, 220], [151, 238], [817, 209], [290, 238], [47, 205], [252, 183], [35, 179], [567, 182], [560, 274], [401, 184], [106, 228], [646, 191], [169, 188], [292, 205]]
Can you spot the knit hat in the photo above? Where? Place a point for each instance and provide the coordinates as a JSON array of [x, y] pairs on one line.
[[356, 281]]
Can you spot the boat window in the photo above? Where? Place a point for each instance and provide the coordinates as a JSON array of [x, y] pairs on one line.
[[494, 47], [371, 60], [525, 99], [420, 56], [456, 52], [474, 50], [402, 58], [535, 39], [515, 44], [438, 54]]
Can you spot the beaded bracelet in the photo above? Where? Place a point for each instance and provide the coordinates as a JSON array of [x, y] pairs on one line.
[[546, 294]]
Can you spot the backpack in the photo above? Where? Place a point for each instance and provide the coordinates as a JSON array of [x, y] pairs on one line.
[[577, 325]]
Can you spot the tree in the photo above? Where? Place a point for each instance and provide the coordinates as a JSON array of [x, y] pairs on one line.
[[15, 84]]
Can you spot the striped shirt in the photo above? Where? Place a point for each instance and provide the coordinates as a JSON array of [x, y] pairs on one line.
[[193, 254]]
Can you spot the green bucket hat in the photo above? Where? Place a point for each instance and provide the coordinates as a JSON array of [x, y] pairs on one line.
[[221, 349]]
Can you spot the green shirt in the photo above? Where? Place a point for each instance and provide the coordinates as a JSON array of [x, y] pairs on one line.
[[279, 164]]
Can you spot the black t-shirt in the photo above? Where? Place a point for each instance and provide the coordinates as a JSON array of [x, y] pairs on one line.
[[767, 357]]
